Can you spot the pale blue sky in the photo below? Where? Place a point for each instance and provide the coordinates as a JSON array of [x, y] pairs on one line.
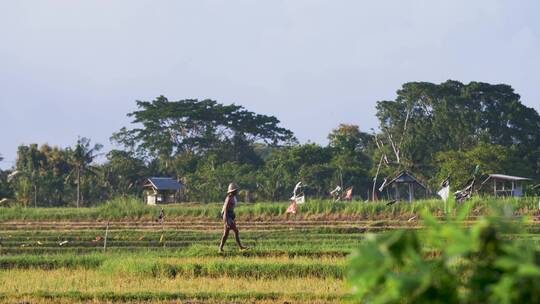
[[70, 68]]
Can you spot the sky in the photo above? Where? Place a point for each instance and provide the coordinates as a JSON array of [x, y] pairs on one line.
[[75, 68]]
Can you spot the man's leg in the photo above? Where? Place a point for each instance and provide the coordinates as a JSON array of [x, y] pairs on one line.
[[224, 237], [237, 237]]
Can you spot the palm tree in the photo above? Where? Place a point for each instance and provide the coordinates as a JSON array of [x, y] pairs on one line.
[[81, 159]]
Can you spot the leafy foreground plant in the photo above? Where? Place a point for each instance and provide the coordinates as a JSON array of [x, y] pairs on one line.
[[447, 263]]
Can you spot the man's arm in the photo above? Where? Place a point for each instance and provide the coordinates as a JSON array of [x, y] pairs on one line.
[[226, 206]]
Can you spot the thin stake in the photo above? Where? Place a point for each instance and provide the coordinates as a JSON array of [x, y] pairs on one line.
[[106, 235], [161, 220], [163, 232], [375, 179]]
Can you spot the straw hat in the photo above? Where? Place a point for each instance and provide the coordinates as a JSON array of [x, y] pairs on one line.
[[232, 188]]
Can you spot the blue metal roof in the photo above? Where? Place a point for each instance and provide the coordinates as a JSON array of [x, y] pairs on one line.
[[165, 183]]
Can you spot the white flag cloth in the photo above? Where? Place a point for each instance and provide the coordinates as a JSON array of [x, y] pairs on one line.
[[300, 199], [444, 193], [297, 189], [298, 194]]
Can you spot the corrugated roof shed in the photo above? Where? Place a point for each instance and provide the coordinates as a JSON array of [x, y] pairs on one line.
[[405, 177], [164, 183]]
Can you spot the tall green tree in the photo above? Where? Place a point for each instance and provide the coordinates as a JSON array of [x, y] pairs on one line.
[[212, 177], [40, 174], [123, 173], [349, 139], [53, 174], [309, 163], [5, 189], [490, 159], [168, 128], [81, 159], [29, 169], [428, 118], [351, 161]]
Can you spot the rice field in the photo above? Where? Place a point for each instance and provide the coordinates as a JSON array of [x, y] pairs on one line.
[[66, 255], [286, 262]]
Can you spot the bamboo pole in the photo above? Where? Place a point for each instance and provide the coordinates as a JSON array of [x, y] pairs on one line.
[[162, 238], [106, 236], [375, 178]]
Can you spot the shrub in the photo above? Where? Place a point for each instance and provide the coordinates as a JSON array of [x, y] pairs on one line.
[[447, 263]]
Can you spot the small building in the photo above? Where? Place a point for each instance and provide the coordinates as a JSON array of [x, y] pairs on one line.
[[504, 185], [162, 190], [405, 185]]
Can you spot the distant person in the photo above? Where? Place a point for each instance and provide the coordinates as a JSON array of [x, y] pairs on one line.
[[229, 217]]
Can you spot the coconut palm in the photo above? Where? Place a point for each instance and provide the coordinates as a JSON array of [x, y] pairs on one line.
[[81, 158]]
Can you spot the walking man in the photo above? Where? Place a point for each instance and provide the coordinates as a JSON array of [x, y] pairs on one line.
[[228, 216]]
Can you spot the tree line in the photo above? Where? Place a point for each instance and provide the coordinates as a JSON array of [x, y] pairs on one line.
[[431, 130]]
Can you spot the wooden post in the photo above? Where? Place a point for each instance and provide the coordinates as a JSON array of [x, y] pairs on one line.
[[341, 178], [162, 220], [106, 236], [375, 179], [495, 187], [35, 196], [163, 232]]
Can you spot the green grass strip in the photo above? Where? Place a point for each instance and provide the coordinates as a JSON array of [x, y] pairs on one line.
[[132, 208]]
